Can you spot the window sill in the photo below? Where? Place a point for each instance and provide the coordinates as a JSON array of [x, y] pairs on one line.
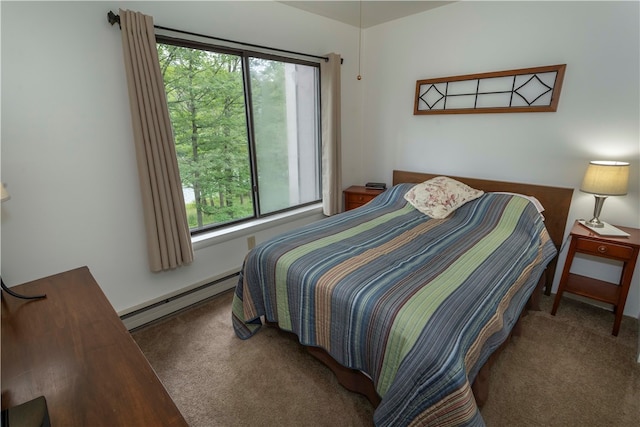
[[204, 240]]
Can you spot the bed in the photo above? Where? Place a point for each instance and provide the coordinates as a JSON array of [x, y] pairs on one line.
[[406, 308]]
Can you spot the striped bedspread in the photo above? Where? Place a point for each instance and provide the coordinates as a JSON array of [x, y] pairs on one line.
[[416, 303]]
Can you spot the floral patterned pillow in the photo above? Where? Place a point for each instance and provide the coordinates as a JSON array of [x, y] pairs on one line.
[[440, 196]]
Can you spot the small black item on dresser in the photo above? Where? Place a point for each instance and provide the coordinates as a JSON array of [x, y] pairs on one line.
[[376, 185], [33, 413]]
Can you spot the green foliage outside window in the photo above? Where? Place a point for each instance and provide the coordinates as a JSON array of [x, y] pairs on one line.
[[206, 103], [208, 94]]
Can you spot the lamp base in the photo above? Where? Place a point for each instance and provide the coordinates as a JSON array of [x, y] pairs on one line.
[[17, 295], [594, 223]]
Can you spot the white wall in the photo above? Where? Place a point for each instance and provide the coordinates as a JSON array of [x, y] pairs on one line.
[[67, 150], [597, 117], [68, 157]]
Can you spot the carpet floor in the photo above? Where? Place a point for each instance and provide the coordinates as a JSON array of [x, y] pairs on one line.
[[564, 370]]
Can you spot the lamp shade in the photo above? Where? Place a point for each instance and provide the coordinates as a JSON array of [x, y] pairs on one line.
[[4, 195], [606, 178]]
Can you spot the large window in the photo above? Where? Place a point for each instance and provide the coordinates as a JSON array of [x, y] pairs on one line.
[[246, 129]]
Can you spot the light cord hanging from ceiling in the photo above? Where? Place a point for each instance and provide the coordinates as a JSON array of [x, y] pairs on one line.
[[359, 39]]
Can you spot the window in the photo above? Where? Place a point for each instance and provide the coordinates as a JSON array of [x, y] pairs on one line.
[[246, 129]]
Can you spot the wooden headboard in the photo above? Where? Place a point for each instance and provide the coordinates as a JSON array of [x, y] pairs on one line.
[[556, 200]]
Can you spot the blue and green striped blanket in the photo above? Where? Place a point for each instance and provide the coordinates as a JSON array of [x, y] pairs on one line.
[[417, 304]]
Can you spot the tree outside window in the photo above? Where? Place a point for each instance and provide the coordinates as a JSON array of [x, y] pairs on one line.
[[246, 130]]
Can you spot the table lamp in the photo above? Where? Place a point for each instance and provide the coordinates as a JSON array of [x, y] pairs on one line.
[[604, 178], [4, 196]]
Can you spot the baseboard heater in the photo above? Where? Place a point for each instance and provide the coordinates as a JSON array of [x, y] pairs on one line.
[[169, 305]]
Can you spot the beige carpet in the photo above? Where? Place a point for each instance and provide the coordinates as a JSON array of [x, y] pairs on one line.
[[563, 370]]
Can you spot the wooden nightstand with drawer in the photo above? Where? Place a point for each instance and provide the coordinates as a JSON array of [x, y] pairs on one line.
[[623, 249], [358, 195]]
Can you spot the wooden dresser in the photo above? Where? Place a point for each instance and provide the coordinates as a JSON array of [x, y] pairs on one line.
[[73, 349], [358, 195]]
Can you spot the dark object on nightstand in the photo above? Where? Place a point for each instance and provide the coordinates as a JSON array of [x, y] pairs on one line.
[[376, 185], [623, 249], [33, 413], [357, 195]]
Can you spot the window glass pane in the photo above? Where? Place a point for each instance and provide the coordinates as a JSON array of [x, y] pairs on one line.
[[224, 151], [205, 95], [286, 133]]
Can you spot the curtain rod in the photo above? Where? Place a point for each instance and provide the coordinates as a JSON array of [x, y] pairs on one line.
[[113, 19]]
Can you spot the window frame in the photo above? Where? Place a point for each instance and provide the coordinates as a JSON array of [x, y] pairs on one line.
[[245, 55]]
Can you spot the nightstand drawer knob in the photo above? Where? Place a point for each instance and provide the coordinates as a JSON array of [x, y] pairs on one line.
[[602, 249]]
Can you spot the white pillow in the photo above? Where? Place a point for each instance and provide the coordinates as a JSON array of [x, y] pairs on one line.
[[440, 196]]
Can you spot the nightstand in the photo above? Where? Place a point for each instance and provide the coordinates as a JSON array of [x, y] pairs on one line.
[[623, 249], [358, 195]]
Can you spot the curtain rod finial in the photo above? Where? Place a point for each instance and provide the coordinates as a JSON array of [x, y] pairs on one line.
[[113, 18]]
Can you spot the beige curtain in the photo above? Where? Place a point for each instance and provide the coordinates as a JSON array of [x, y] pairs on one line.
[[168, 237], [331, 135]]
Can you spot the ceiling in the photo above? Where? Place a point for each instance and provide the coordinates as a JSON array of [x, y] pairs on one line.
[[373, 12]]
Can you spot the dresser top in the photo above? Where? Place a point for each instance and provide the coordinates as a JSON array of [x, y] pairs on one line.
[[72, 348]]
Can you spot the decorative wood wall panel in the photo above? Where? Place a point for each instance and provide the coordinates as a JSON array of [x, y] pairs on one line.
[[526, 90]]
